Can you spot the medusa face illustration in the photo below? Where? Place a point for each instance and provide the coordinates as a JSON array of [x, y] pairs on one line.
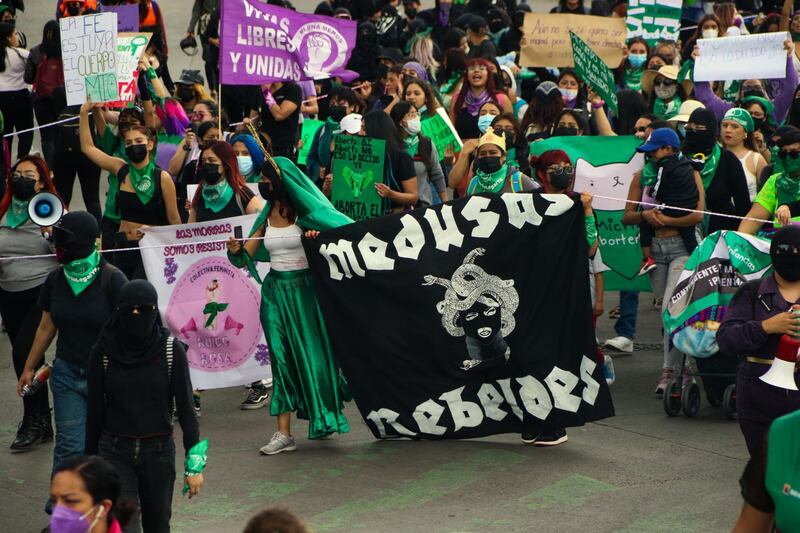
[[482, 320]]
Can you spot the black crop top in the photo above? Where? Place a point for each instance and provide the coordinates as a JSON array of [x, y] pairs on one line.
[[131, 208], [236, 207]]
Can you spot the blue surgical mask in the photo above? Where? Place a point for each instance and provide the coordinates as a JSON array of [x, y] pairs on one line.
[[422, 110], [637, 60], [245, 163], [484, 122]]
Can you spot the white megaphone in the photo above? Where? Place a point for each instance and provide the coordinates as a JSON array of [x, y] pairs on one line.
[[781, 373], [45, 209]]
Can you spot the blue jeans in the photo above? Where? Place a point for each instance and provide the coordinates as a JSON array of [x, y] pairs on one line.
[[628, 309], [670, 256], [68, 385]]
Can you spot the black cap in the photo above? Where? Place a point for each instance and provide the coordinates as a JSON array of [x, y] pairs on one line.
[[392, 54], [790, 136], [78, 227], [190, 77], [342, 11]]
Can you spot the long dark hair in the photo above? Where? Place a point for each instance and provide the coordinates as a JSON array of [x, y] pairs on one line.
[[542, 110], [455, 60], [6, 31], [102, 483], [269, 171], [378, 125], [425, 149], [430, 98], [51, 39], [632, 106]]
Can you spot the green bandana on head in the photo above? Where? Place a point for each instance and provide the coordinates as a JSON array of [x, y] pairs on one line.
[[216, 197], [17, 213], [142, 181], [491, 182], [766, 105], [741, 117], [81, 272]]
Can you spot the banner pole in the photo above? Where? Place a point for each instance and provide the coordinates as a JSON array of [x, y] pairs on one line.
[[219, 106]]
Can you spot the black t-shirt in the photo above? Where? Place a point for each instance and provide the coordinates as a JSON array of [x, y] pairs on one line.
[[400, 167], [284, 134], [79, 319], [237, 206]]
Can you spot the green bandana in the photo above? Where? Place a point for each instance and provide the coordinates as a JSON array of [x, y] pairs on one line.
[[769, 108], [142, 181], [730, 91], [511, 155], [787, 188], [633, 78], [450, 84], [667, 110], [741, 117], [412, 145], [195, 461], [649, 173], [212, 309], [81, 272], [491, 182], [17, 213], [709, 166], [216, 197]]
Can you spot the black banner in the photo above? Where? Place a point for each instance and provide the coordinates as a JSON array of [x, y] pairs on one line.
[[466, 319]]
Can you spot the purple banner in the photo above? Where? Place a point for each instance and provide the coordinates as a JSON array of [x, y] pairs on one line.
[[262, 43], [127, 17]]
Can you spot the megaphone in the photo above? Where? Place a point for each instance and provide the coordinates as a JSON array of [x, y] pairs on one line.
[[45, 209], [781, 373]]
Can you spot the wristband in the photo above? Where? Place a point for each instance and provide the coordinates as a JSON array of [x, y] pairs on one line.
[[591, 229], [151, 73], [599, 105]]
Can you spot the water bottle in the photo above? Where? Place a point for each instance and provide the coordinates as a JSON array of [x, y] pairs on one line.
[[39, 379]]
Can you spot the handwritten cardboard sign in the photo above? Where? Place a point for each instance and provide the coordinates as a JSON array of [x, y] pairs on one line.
[[130, 47], [761, 56], [546, 42], [89, 54]]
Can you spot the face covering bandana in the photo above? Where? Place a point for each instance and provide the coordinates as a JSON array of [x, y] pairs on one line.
[[560, 178], [185, 93], [23, 188], [143, 180], [710, 33], [787, 265], [484, 121], [490, 176], [637, 60], [209, 173], [565, 131], [136, 152], [245, 164], [74, 10], [414, 126], [217, 196], [568, 95], [699, 141], [665, 92], [17, 213], [66, 520], [752, 90], [80, 273]]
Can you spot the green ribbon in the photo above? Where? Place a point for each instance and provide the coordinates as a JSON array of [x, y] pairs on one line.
[[412, 144], [195, 461], [80, 273], [142, 180], [212, 309], [633, 78], [591, 229], [17, 213], [216, 197], [667, 110], [491, 182]]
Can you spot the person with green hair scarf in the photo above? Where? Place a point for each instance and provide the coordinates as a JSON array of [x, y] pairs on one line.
[[737, 129], [306, 378]]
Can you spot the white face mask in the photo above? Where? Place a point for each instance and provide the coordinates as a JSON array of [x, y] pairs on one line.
[[413, 126], [710, 33], [665, 93]]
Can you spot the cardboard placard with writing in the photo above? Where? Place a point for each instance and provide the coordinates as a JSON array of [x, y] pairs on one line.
[[546, 43], [310, 128], [89, 54], [440, 130], [357, 167], [593, 71]]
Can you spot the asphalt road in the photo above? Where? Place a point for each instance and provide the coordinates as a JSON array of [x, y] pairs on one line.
[[638, 471]]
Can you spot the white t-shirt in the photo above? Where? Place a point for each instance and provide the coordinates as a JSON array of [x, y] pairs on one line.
[[285, 248], [12, 78]]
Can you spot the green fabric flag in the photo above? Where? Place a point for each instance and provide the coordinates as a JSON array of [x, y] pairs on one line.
[[441, 132], [605, 166], [659, 20], [310, 127], [81, 272], [358, 164], [594, 71], [17, 213]]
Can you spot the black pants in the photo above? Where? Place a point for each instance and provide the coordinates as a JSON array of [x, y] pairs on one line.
[[68, 164], [21, 316], [45, 111], [129, 262], [17, 109], [108, 236], [146, 470]]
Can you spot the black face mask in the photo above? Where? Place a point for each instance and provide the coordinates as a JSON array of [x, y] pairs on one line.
[[489, 164], [138, 327], [73, 10], [23, 188], [787, 266], [758, 123], [700, 141], [560, 178], [752, 91], [185, 94], [136, 152], [411, 12], [337, 112], [565, 131], [209, 173], [266, 191]]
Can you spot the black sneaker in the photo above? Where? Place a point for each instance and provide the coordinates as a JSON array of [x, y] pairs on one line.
[[257, 396], [529, 438], [196, 398], [551, 438]]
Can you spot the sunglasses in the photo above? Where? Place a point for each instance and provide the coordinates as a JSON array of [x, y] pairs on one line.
[[788, 155], [641, 129], [787, 249], [665, 82]]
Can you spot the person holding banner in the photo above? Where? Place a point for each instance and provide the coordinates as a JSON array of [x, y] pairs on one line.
[[491, 171], [280, 116], [737, 137], [306, 379]]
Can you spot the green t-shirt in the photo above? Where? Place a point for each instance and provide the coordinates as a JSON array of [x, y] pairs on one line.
[[768, 198], [783, 471]]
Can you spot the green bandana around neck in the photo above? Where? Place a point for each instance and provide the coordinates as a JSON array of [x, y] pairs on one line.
[[633, 78], [81, 272], [511, 155], [216, 197], [17, 213], [667, 110], [787, 188], [491, 182], [730, 91], [142, 181], [412, 144], [710, 166], [649, 173]]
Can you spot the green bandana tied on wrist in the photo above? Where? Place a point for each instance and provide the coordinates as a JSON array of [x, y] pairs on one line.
[[591, 229], [80, 273], [216, 197], [491, 182], [412, 145], [17, 213], [142, 181], [195, 461]]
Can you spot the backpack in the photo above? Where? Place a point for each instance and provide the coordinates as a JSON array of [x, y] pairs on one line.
[[49, 76]]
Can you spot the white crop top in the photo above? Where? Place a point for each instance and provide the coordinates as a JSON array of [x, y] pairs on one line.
[[285, 248]]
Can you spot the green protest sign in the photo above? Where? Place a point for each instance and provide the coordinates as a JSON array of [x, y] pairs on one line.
[[605, 166], [310, 127], [357, 167], [441, 132], [654, 20], [593, 71]]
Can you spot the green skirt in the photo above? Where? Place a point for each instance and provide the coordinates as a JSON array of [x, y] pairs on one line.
[[305, 377]]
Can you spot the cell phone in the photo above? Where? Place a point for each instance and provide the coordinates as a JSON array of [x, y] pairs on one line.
[[237, 234]]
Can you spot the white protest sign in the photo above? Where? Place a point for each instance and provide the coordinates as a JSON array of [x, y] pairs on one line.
[[759, 56], [130, 47], [89, 52]]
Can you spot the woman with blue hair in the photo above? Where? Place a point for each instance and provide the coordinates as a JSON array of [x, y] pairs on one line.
[[249, 156]]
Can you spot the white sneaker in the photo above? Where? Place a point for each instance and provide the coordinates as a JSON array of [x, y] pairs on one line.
[[620, 344], [279, 443]]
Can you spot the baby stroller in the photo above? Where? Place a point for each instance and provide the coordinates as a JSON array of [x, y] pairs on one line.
[[718, 374]]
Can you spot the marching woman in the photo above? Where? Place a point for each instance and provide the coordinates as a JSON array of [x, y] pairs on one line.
[[305, 376], [146, 195], [21, 281], [131, 428]]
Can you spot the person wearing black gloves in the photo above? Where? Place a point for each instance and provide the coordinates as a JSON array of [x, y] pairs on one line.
[[128, 427]]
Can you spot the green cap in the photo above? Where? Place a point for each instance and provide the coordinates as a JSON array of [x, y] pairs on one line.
[[741, 117]]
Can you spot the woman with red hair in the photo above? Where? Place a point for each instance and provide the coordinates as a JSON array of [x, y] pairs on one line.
[[477, 89], [20, 284], [223, 192]]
